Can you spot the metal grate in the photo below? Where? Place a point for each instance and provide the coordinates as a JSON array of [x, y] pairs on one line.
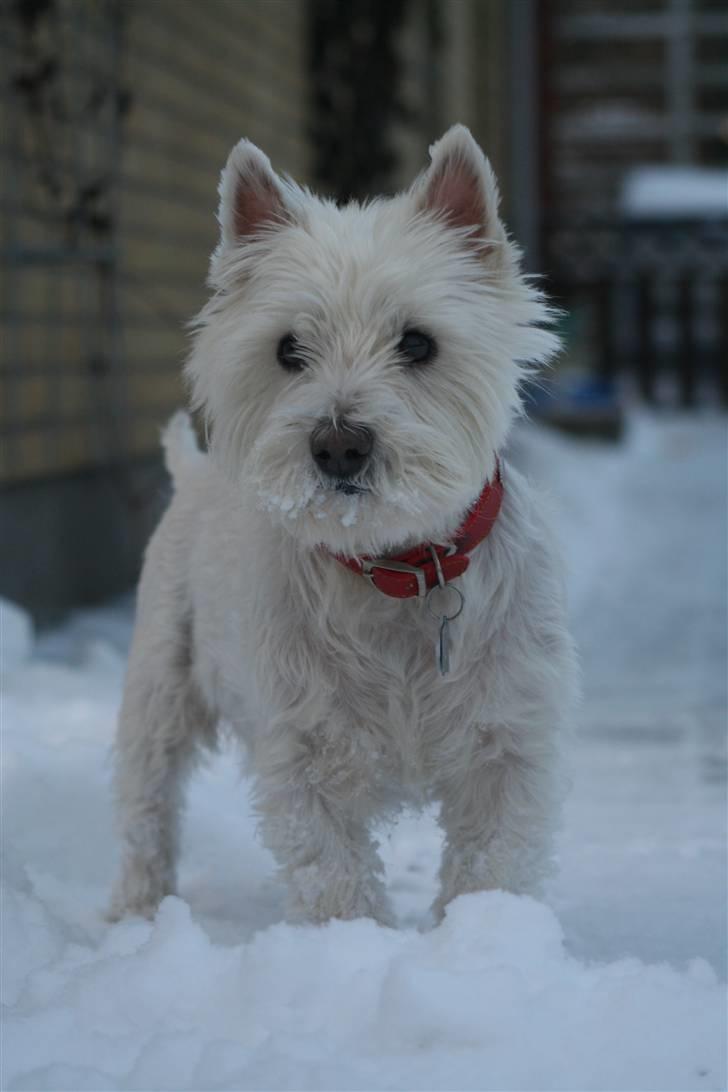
[[629, 83]]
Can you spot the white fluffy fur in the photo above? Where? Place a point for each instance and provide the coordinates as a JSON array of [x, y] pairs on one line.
[[243, 616]]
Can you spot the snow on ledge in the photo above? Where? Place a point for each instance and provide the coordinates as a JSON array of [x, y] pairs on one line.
[[666, 192]]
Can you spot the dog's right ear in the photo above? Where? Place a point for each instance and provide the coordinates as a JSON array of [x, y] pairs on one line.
[[251, 196]]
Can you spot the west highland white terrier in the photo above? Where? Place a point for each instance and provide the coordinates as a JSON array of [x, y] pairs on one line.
[[351, 577]]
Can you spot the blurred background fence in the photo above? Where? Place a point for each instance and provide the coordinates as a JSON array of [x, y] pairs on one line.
[[606, 120], [634, 188]]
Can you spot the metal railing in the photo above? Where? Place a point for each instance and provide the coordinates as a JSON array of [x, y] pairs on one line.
[[656, 294]]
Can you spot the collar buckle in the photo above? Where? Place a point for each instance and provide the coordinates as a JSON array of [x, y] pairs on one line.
[[368, 564]]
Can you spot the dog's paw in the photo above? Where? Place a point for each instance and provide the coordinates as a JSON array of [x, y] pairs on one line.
[[436, 913], [382, 912], [121, 908], [317, 897], [139, 892]]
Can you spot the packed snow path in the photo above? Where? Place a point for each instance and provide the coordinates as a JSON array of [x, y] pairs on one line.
[[220, 993]]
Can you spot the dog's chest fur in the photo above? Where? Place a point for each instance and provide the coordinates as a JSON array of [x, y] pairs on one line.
[[289, 643]]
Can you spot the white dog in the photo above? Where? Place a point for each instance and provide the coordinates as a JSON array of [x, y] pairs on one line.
[[350, 578]]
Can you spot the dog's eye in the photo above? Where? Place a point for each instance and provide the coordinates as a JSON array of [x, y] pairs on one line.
[[417, 347], [289, 354]]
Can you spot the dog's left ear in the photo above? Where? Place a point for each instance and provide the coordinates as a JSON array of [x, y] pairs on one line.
[[252, 199], [460, 188]]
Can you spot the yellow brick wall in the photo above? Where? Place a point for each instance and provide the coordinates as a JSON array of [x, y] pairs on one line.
[[200, 76]]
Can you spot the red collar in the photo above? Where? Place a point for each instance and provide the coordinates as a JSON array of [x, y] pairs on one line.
[[415, 572]]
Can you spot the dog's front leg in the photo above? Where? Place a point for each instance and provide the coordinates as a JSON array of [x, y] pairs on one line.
[[163, 719], [312, 801], [498, 819]]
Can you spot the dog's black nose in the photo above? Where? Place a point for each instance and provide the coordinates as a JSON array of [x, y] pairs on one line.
[[341, 450]]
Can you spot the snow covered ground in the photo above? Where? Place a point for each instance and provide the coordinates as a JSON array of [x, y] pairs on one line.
[[616, 982]]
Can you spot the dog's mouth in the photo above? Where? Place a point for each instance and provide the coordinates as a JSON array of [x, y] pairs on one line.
[[350, 489]]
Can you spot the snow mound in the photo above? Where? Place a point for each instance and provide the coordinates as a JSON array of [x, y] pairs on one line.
[[488, 1000]]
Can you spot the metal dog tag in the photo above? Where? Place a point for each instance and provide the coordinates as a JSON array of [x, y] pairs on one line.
[[445, 592], [443, 647]]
